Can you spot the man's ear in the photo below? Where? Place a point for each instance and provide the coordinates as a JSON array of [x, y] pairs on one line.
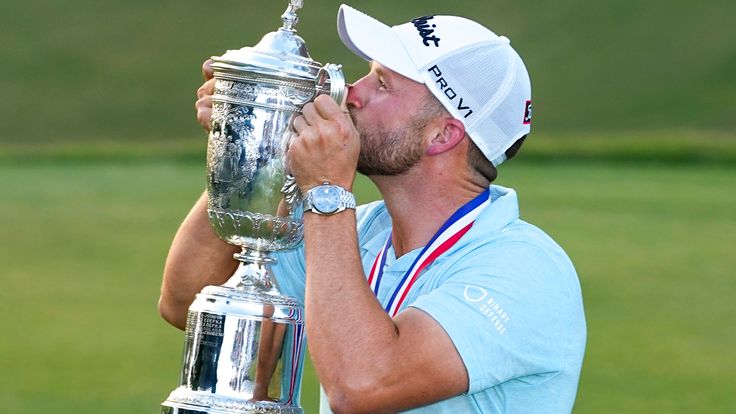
[[445, 136]]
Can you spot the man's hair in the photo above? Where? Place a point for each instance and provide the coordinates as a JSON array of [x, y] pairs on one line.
[[480, 165]]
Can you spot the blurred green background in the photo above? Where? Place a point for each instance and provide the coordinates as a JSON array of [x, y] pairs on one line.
[[631, 167]]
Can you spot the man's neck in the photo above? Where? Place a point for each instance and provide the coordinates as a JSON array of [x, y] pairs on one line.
[[418, 208]]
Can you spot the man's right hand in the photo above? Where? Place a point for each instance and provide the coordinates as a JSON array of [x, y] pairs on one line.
[[204, 96]]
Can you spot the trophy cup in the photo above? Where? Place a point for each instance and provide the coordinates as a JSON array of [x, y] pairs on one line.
[[244, 344]]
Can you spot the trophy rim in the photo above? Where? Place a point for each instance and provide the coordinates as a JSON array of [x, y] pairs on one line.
[[227, 301]]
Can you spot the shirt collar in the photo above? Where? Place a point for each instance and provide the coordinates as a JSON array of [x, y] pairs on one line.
[[504, 209]]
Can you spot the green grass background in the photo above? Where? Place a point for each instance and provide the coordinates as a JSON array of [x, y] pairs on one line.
[[631, 167], [90, 70]]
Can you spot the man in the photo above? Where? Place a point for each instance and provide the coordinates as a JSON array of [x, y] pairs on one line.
[[438, 298]]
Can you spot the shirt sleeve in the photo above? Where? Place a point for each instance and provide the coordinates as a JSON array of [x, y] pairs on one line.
[[508, 312]]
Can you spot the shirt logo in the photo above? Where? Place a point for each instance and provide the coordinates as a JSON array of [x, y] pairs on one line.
[[474, 293], [488, 306], [426, 30]]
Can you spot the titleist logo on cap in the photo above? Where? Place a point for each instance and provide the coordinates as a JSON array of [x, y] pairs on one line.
[[426, 30]]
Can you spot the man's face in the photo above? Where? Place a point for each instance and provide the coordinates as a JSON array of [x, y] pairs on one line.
[[389, 111]]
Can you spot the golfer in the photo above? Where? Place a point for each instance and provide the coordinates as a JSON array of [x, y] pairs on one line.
[[439, 298]]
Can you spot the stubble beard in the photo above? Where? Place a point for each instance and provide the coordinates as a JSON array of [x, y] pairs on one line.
[[385, 152]]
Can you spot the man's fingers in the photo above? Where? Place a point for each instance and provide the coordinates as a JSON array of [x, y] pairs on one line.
[[204, 111], [324, 108], [204, 96], [299, 124], [328, 108], [310, 114], [204, 117], [207, 89], [205, 102], [207, 71]]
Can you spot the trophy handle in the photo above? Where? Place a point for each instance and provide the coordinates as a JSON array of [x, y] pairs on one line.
[[333, 73]]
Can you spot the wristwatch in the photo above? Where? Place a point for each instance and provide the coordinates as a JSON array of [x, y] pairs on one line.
[[327, 199]]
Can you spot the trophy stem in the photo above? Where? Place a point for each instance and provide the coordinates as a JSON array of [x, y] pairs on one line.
[[255, 272]]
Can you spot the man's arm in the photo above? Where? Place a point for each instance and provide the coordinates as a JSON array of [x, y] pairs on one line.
[[197, 258], [366, 361]]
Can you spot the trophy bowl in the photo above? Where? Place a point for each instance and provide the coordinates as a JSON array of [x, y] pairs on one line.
[[244, 342]]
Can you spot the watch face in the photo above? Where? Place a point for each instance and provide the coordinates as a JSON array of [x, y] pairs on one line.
[[326, 199]]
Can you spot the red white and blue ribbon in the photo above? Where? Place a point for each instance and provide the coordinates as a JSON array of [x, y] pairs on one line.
[[450, 233], [297, 349]]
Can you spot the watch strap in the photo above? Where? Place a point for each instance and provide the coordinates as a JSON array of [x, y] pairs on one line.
[[347, 199]]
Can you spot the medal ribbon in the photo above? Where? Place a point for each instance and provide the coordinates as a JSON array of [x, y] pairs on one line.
[[450, 233], [297, 350]]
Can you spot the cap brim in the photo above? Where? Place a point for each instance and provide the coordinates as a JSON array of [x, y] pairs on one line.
[[373, 40]]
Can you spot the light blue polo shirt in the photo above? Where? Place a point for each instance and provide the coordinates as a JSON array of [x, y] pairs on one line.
[[506, 294]]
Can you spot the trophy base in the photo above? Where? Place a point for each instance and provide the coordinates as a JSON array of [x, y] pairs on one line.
[[187, 402], [243, 354], [179, 410]]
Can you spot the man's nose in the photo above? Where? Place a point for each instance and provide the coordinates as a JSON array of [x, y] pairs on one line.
[[353, 98]]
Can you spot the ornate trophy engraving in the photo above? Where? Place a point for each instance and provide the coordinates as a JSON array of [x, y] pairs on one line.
[[244, 346]]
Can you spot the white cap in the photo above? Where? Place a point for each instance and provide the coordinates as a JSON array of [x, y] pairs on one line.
[[477, 75]]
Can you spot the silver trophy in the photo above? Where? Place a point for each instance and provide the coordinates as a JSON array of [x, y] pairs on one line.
[[244, 345]]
